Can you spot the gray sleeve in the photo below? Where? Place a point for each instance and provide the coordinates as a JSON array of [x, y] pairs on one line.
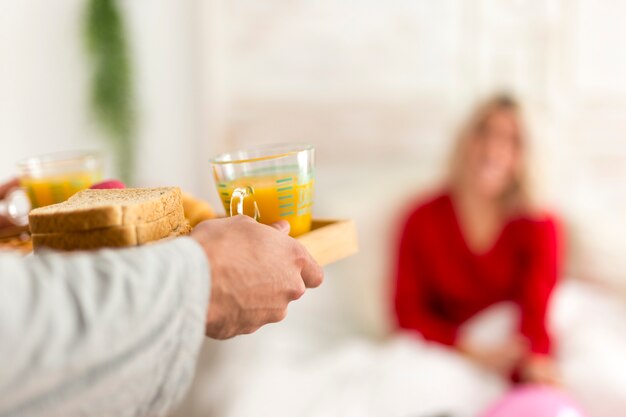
[[115, 332]]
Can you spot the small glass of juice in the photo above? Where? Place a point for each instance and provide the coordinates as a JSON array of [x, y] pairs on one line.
[[269, 184], [55, 177]]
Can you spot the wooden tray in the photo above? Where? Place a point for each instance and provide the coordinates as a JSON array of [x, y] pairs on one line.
[[19, 243], [330, 240]]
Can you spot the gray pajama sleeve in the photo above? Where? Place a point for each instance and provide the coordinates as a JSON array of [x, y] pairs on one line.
[[111, 333]]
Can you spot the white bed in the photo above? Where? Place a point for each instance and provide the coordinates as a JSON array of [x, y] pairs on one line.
[[299, 368]]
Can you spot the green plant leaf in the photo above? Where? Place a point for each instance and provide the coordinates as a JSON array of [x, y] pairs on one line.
[[111, 83]]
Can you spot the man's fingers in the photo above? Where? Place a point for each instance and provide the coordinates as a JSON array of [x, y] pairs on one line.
[[312, 273], [282, 226], [4, 188], [4, 222]]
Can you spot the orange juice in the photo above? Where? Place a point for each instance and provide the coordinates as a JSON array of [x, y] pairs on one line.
[[57, 188], [278, 197]]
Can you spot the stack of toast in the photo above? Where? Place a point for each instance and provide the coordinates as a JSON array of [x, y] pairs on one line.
[[93, 219]]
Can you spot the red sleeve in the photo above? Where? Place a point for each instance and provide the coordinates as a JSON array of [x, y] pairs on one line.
[[412, 297], [542, 270]]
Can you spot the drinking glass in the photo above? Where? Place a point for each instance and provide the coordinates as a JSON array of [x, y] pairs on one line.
[[268, 184]]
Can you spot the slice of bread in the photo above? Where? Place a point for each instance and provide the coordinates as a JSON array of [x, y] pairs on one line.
[[173, 224], [96, 209]]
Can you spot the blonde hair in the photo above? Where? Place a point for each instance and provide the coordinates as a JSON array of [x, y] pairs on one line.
[[518, 198]]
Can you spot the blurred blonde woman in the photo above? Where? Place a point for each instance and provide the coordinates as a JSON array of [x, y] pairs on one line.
[[481, 241]]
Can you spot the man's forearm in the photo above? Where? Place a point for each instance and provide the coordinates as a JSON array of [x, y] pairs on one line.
[[77, 330]]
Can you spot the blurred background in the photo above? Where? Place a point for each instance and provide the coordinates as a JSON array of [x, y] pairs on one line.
[[379, 87]]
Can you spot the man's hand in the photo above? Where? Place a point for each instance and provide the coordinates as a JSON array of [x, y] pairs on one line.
[[4, 190], [256, 270]]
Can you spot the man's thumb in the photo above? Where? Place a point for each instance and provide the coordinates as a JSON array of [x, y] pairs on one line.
[[282, 226]]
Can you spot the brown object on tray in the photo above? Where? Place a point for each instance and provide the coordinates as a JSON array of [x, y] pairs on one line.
[[330, 240], [9, 232], [93, 219], [20, 243], [196, 210]]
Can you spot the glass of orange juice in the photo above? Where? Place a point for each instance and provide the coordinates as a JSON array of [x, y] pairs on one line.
[[55, 177], [269, 184]]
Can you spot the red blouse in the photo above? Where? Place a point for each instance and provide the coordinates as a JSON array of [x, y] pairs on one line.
[[440, 283]]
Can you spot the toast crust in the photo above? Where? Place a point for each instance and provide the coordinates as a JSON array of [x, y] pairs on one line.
[[97, 209], [174, 224]]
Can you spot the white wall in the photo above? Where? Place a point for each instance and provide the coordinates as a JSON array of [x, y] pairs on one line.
[[43, 98], [378, 85], [44, 87]]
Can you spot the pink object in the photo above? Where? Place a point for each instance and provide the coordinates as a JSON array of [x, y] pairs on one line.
[[535, 401], [108, 185]]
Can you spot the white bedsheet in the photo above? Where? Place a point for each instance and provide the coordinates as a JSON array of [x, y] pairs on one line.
[[401, 377], [590, 325], [287, 370]]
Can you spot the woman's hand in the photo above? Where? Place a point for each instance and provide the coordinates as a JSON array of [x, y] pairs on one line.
[[540, 369], [501, 358]]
